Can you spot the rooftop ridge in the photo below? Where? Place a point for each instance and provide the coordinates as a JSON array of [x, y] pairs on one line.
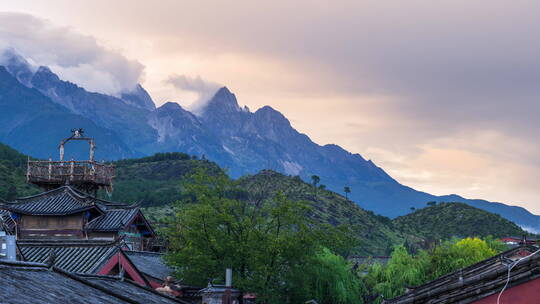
[[62, 188], [95, 286], [68, 243], [60, 201], [23, 264], [117, 278], [144, 252]]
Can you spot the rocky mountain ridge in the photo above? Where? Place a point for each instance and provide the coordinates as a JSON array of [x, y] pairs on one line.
[[239, 140]]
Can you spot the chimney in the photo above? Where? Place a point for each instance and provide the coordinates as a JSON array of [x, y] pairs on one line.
[[7, 247], [228, 277]]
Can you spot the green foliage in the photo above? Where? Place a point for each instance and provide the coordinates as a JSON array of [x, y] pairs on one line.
[[376, 232], [12, 174], [447, 220], [328, 279], [406, 270], [453, 255], [155, 180], [154, 158], [267, 242], [402, 270]]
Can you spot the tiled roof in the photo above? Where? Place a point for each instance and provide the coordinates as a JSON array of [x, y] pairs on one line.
[[73, 256], [149, 263], [61, 201], [476, 281], [6, 222], [131, 289], [22, 283], [113, 219]]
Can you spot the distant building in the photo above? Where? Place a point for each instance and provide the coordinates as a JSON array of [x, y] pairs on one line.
[[362, 263], [514, 241], [482, 283]]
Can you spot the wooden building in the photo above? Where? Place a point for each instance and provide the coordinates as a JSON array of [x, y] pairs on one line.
[[69, 228], [69, 208], [67, 213]]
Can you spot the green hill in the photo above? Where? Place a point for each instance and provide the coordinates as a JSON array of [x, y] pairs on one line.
[[154, 180], [447, 220], [12, 174], [376, 232]]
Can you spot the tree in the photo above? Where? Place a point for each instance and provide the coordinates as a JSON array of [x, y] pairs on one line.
[[431, 204], [327, 279], [266, 242], [322, 187], [405, 269], [412, 208], [456, 254], [12, 192], [315, 180], [347, 190]]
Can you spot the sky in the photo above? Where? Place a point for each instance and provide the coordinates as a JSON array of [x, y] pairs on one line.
[[441, 94]]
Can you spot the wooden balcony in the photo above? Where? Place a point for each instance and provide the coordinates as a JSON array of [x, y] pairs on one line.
[[58, 173]]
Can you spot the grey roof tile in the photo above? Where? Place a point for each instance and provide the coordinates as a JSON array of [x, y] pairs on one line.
[[113, 219], [73, 256], [23, 283], [131, 289], [61, 201], [6, 222], [149, 263]]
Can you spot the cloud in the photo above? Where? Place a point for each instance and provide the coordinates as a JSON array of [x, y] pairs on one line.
[[427, 89], [204, 89], [74, 57]]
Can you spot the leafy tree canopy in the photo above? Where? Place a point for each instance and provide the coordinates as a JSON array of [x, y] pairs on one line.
[[406, 270], [274, 249]]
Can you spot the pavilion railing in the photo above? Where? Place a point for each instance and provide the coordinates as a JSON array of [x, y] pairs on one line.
[[70, 172]]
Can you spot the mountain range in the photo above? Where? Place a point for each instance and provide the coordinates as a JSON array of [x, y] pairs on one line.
[[37, 110]]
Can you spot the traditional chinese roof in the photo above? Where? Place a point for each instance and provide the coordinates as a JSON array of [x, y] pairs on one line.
[[131, 289], [23, 282], [80, 256], [478, 281], [61, 201], [113, 219], [6, 222], [149, 263], [118, 217]]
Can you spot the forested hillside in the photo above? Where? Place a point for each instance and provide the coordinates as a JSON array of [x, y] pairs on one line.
[[12, 174], [376, 233], [157, 181], [447, 220]]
